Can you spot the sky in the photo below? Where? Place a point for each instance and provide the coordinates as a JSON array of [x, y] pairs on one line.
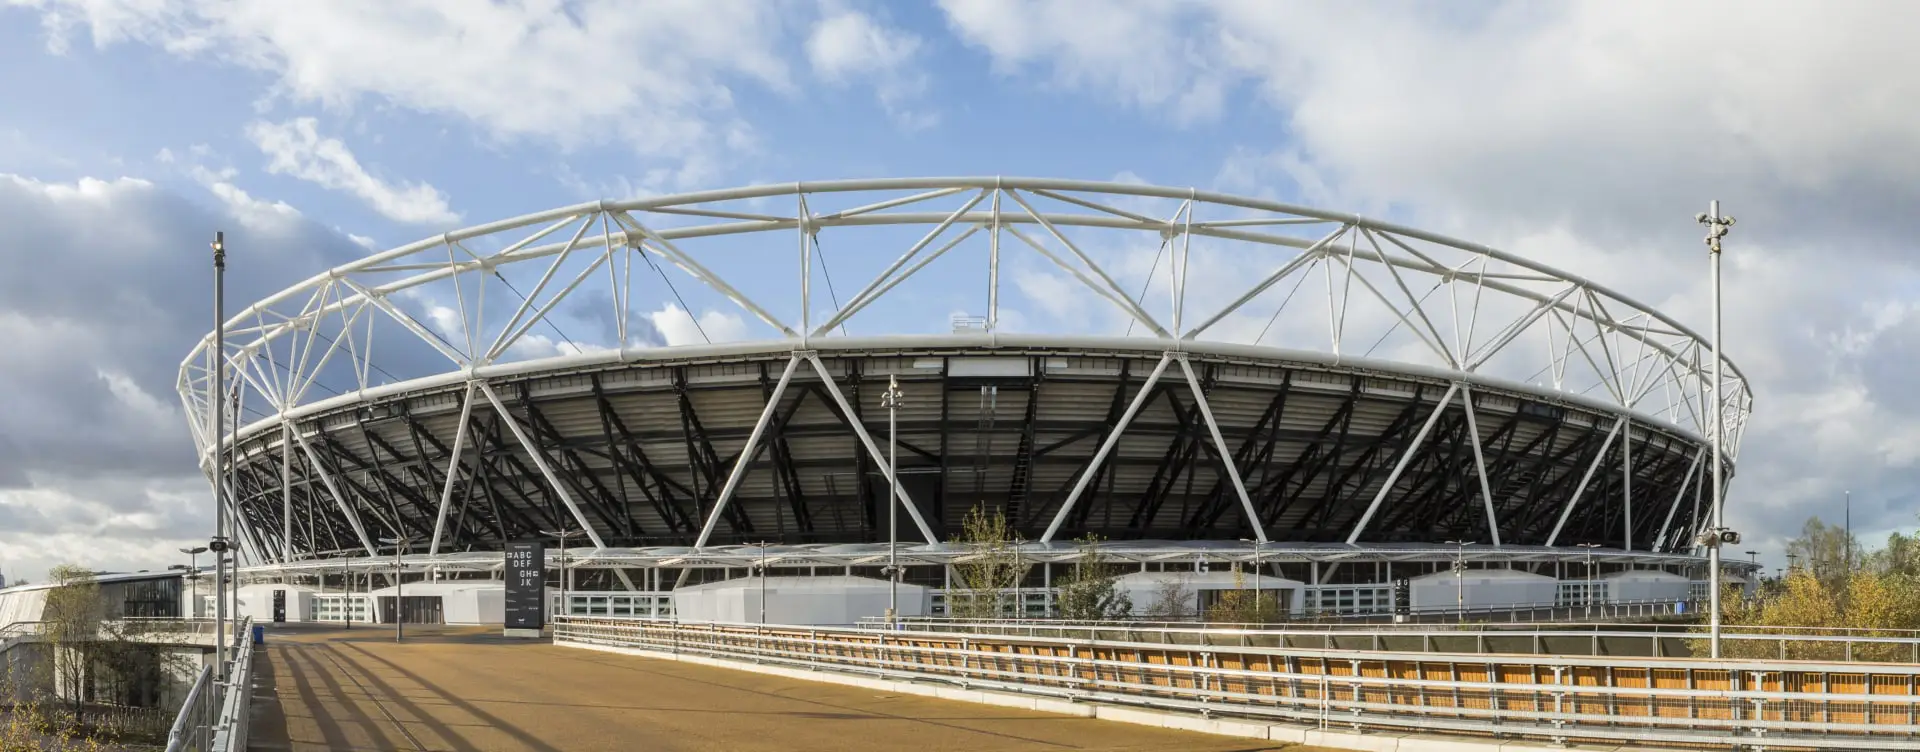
[[1582, 134]]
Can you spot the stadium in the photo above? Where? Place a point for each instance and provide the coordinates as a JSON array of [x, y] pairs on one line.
[[1206, 381]]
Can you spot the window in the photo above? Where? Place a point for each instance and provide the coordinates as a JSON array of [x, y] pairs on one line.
[[1349, 600]]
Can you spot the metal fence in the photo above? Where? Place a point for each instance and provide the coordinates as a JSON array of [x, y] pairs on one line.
[[1669, 702], [214, 716], [1595, 639]]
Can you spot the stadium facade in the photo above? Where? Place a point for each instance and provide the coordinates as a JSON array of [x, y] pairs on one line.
[[1330, 395]]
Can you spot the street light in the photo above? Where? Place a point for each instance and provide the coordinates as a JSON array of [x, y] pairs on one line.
[[762, 567], [1587, 597], [193, 572], [566, 608], [1258, 611], [890, 400], [399, 604], [1460, 577], [1717, 227]]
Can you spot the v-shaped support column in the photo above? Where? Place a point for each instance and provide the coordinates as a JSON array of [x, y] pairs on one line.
[[747, 453], [1106, 447], [873, 450], [1220, 446]]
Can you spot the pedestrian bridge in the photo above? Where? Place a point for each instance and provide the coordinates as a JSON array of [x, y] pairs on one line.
[[468, 689]]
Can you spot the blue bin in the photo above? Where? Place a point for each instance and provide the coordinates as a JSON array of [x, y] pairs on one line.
[[259, 635]]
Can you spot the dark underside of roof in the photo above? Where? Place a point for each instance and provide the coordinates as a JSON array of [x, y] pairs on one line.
[[644, 452]]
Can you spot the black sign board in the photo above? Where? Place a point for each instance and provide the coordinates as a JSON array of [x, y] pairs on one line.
[[526, 585], [279, 606]]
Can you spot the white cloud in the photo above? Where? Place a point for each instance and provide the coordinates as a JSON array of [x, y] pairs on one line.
[[252, 212], [847, 45], [677, 326], [1127, 48], [657, 77], [102, 473], [296, 148]]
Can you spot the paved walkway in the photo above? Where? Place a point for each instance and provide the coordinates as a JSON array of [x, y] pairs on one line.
[[454, 689]]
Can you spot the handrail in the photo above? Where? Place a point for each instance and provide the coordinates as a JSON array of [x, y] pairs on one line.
[[214, 716], [1489, 638], [1657, 701]]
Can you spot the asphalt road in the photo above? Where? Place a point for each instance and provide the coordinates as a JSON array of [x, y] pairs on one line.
[[462, 690]]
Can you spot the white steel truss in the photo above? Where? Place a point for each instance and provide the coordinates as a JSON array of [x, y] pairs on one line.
[[1383, 293]]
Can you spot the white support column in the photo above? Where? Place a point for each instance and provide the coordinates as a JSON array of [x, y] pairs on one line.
[[1584, 479], [1480, 463], [286, 491], [993, 266], [1401, 466], [873, 450], [453, 469], [1220, 445], [746, 452], [1626, 472], [1113, 437], [326, 479], [540, 461], [1684, 482]]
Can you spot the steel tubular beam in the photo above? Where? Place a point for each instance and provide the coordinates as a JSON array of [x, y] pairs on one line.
[[1660, 540], [1574, 500], [453, 468], [333, 490], [1480, 464], [540, 461], [873, 450], [1106, 447], [747, 452], [1220, 445], [1406, 458]]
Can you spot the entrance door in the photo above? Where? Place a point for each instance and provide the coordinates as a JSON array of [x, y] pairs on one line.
[[279, 606]]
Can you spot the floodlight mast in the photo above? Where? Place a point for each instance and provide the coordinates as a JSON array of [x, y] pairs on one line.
[[1717, 227], [890, 400], [219, 398]]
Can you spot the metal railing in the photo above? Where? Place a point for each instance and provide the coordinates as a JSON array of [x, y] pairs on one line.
[[1596, 639], [214, 716], [1669, 702]]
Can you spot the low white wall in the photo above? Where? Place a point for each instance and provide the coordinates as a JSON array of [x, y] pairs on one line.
[[256, 600], [1646, 585], [796, 600], [1483, 589]]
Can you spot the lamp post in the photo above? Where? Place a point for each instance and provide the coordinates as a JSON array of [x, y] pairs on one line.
[[1460, 577], [218, 397], [1586, 598], [1717, 227], [566, 608], [193, 572], [890, 400], [1259, 613], [762, 568], [399, 604], [346, 588]]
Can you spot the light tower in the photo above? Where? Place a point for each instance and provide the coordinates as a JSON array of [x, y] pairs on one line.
[[1717, 227]]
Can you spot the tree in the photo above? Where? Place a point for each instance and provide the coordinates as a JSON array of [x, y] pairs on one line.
[[1089, 592], [70, 629], [1900, 557], [1243, 606], [990, 569], [1825, 550], [1170, 601]]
